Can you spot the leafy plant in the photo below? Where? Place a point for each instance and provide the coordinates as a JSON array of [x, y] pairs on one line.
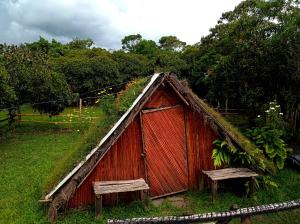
[[107, 104], [267, 182], [272, 117], [225, 154], [269, 140]]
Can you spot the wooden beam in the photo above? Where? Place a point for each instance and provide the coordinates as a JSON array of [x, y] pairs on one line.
[[214, 190], [180, 96], [143, 155], [159, 109]]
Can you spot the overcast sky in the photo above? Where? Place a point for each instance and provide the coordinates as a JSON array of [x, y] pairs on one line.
[[108, 21]]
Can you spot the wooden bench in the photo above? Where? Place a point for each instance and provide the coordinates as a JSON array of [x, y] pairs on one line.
[[109, 187], [225, 174]]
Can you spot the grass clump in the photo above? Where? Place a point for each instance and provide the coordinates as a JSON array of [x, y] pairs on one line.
[[126, 97]]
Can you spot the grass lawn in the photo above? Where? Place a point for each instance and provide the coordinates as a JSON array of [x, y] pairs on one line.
[[34, 155], [289, 189]]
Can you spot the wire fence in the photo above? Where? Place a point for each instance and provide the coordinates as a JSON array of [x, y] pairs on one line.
[[83, 95]]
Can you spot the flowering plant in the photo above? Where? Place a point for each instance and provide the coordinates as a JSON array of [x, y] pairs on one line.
[[268, 136], [272, 117]]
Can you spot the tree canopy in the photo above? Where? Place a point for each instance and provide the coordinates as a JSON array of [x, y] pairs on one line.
[[250, 57], [171, 43]]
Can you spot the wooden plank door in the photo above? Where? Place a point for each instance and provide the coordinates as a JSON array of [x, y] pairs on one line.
[[164, 146]]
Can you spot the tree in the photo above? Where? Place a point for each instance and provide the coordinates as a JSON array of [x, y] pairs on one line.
[[80, 43], [170, 61], [147, 48], [32, 80], [171, 43], [7, 94], [52, 87], [87, 69], [53, 48], [250, 57], [136, 44], [132, 65], [130, 42]]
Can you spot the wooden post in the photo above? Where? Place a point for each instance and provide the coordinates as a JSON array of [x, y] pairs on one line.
[[142, 194], [251, 186], [246, 219], [227, 220], [144, 198], [98, 206], [201, 182], [214, 189], [117, 196], [80, 105], [143, 148]]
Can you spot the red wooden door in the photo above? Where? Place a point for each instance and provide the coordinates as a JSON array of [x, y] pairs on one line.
[[164, 144]]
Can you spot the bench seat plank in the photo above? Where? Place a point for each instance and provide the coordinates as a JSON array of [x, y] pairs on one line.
[[119, 186], [108, 187], [225, 174], [230, 173]]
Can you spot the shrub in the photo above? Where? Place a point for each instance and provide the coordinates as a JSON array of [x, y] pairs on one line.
[[269, 140], [272, 117], [269, 134], [225, 154]]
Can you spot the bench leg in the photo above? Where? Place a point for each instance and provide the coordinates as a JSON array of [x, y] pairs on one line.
[[214, 189], [98, 206], [252, 186], [201, 182], [144, 198]]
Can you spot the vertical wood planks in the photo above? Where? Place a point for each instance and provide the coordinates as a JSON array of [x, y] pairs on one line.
[[122, 162], [200, 137], [165, 151]]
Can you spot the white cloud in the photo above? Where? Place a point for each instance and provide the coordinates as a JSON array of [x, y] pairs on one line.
[[107, 21]]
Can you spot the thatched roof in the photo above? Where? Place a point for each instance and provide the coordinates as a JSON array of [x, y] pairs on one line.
[[61, 194]]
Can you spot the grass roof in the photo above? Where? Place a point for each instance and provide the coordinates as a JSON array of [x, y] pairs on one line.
[[113, 107]]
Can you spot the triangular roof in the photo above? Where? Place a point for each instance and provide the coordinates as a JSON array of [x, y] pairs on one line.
[[65, 189]]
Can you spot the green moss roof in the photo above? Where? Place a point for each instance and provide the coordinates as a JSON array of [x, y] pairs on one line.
[[97, 130], [126, 97]]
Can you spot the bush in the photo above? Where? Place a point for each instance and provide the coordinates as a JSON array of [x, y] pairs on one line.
[[272, 117], [269, 134], [270, 141], [225, 154]]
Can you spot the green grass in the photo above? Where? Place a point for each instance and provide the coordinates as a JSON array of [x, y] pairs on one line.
[[35, 155], [287, 180]]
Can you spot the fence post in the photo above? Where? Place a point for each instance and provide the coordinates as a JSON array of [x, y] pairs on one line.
[[19, 112], [80, 105], [246, 219]]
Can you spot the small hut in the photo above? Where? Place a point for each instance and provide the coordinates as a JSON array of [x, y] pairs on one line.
[[165, 137]]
